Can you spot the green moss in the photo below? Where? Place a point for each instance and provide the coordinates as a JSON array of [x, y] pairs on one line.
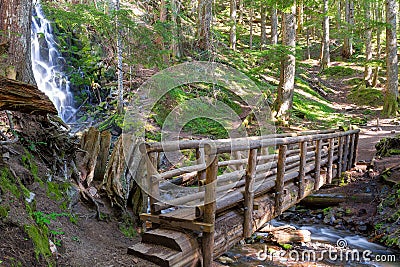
[[29, 163], [286, 246], [8, 183], [40, 239], [4, 211], [57, 191], [366, 96]]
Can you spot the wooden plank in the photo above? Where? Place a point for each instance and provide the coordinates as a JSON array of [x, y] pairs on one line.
[[317, 171], [280, 180], [180, 214], [249, 193], [194, 226], [209, 204], [329, 173], [302, 173]]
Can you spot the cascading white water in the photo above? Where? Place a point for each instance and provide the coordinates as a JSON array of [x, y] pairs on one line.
[[47, 65]]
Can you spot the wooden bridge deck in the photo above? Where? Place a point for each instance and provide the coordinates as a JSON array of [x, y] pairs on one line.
[[241, 184]]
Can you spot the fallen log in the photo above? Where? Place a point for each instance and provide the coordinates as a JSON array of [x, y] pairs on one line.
[[329, 200], [23, 97]]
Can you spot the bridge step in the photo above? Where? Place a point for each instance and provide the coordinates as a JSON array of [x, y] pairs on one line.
[[166, 247]]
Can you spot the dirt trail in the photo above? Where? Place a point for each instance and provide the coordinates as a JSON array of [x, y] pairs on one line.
[[372, 132]]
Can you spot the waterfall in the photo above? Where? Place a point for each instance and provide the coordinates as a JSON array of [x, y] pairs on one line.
[[47, 65]]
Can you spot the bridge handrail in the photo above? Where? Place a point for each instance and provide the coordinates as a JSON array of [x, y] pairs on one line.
[[313, 150]]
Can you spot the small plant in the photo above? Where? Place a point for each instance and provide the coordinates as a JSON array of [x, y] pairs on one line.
[[54, 234]]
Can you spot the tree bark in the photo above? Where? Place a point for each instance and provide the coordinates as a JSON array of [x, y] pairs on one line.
[[325, 57], [378, 16], [368, 45], [392, 80], [347, 51], [274, 26], [204, 30], [15, 29], [284, 100], [176, 47], [251, 27], [263, 37], [23, 97], [232, 35]]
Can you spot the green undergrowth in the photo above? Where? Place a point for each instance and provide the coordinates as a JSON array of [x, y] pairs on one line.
[[338, 71], [182, 105], [309, 109], [366, 96]]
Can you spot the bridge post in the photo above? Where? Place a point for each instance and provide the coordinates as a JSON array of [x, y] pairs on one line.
[[249, 193], [302, 170], [317, 172], [209, 204], [201, 175], [329, 173], [346, 153], [356, 137], [351, 152], [151, 164], [340, 157], [279, 183]]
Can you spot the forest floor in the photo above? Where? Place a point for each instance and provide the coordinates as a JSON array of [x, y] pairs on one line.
[[83, 240]]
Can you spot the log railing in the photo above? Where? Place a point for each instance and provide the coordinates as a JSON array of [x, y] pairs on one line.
[[249, 172]]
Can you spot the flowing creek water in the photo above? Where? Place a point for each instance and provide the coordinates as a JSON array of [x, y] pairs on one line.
[[48, 64], [322, 238]]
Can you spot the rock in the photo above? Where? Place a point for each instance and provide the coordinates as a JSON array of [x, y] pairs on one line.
[[225, 259], [283, 237], [362, 228]]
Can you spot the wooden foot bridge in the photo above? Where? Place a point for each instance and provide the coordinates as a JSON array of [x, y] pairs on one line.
[[241, 184]]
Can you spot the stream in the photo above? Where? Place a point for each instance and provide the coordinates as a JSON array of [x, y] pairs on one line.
[[325, 240]]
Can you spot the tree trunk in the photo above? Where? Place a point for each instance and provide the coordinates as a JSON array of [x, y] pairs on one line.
[[378, 18], [368, 45], [392, 80], [300, 20], [204, 31], [325, 57], [163, 19], [176, 47], [232, 35], [284, 100], [347, 51], [251, 27], [15, 38], [263, 37], [274, 26], [339, 15], [241, 10], [120, 100]]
